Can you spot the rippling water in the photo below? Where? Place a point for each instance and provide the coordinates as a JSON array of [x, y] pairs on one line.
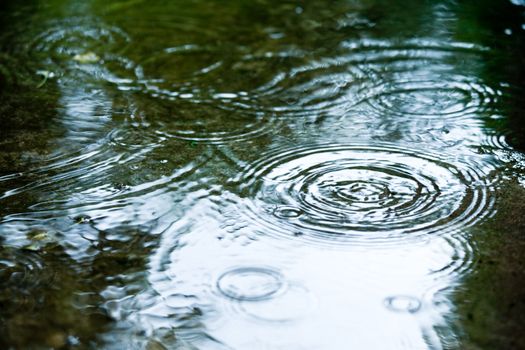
[[359, 193], [245, 175]]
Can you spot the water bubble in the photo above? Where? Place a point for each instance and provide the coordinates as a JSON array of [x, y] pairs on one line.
[[250, 283], [403, 303], [287, 212]]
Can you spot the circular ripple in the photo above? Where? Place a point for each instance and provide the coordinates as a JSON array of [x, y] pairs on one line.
[[82, 47], [352, 193], [414, 78], [201, 120], [19, 266], [64, 40], [170, 73], [218, 98], [327, 86], [432, 98], [21, 273], [202, 95], [422, 78], [459, 250], [250, 283]]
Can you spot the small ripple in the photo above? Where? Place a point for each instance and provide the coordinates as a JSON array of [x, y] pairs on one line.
[[77, 36], [344, 194], [20, 266], [21, 271], [415, 78], [216, 120], [293, 304], [461, 257], [205, 96], [423, 78], [454, 98], [263, 294], [285, 212], [82, 47]]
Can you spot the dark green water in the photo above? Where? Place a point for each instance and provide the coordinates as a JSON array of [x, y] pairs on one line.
[[262, 174]]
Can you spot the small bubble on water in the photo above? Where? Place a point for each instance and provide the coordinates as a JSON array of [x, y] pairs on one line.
[[250, 283], [403, 303], [285, 212]]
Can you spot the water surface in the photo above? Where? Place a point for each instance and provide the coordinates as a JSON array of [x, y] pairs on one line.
[[256, 174]]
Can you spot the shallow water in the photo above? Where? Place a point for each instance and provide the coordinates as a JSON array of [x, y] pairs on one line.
[[252, 174]]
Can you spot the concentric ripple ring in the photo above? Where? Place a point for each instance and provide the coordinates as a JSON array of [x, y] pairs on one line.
[[419, 98], [360, 193]]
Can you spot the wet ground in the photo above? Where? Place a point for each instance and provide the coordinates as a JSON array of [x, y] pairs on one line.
[[262, 174]]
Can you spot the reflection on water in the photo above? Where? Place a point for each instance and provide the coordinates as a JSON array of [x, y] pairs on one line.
[[244, 175]]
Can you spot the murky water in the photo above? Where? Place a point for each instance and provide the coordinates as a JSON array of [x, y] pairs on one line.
[[252, 174]]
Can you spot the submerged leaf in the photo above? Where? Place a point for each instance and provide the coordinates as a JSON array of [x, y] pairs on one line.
[[34, 247], [40, 236]]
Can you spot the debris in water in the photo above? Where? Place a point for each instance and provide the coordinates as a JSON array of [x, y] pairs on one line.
[[85, 58], [46, 74]]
